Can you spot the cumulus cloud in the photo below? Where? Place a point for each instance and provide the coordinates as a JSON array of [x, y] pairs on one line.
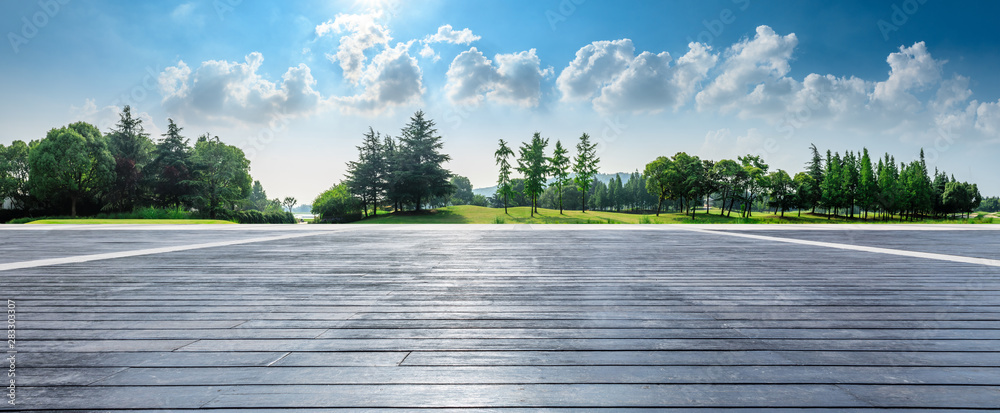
[[361, 32], [515, 78], [759, 63], [234, 91], [912, 69], [650, 83], [446, 34], [392, 79], [427, 52], [594, 66], [624, 82]]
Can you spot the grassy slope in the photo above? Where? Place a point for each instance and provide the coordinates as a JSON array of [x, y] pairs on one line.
[[468, 214], [130, 221]]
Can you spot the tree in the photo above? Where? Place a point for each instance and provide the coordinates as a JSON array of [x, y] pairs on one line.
[[756, 180], [14, 175], [585, 168], [258, 197], [831, 184], [337, 204], [221, 175], [463, 190], [366, 177], [815, 170], [781, 190], [867, 183], [658, 180], [171, 167], [71, 163], [728, 173], [420, 176], [534, 166], [289, 202], [131, 147], [504, 189], [559, 166], [804, 185]]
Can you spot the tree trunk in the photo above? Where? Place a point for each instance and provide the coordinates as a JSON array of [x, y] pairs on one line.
[[583, 204], [658, 205], [72, 207]]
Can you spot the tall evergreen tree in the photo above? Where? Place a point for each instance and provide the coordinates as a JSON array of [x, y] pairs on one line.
[[815, 170], [867, 183], [559, 165], [131, 147], [504, 188], [420, 174], [585, 167], [831, 186], [171, 168], [366, 177], [534, 166]]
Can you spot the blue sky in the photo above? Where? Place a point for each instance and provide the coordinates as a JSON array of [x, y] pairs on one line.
[[296, 83]]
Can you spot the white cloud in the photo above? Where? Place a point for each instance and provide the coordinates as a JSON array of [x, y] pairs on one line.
[[470, 75], [516, 79], [446, 34], [595, 65], [912, 69], [988, 119], [392, 79], [363, 32], [650, 83], [759, 63], [427, 52], [233, 91]]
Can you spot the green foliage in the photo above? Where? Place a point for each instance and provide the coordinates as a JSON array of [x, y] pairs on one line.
[[131, 147], [418, 174], [559, 166], [221, 175], [504, 188], [257, 217], [463, 190], [14, 169], [534, 166], [585, 167], [170, 170], [367, 178], [72, 163], [337, 204]]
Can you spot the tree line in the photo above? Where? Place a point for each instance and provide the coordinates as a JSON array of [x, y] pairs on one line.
[[77, 169], [398, 174], [852, 185]]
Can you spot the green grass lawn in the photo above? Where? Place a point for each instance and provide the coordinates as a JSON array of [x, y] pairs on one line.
[[130, 221], [468, 214]]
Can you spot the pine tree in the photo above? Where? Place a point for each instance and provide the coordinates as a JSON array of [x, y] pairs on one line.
[[503, 181], [867, 184], [420, 176], [533, 165], [559, 166], [815, 170], [171, 167], [585, 167]]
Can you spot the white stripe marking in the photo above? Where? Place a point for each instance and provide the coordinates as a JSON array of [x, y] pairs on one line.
[[149, 251], [915, 254]]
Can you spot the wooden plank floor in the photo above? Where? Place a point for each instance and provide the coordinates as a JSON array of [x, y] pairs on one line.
[[504, 317]]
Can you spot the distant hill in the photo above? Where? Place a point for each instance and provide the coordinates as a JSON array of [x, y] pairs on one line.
[[488, 192]]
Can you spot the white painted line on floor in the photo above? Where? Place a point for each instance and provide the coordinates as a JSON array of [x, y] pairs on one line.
[[905, 253], [148, 251]]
